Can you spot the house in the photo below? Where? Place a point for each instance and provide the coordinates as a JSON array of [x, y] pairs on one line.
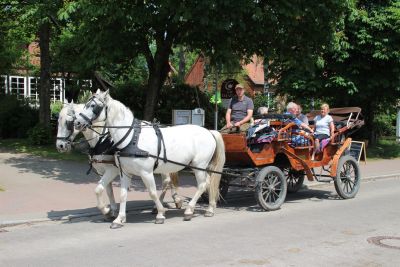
[[25, 86], [254, 78]]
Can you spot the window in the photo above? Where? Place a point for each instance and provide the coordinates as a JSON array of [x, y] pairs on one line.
[[17, 86], [56, 92], [33, 89]]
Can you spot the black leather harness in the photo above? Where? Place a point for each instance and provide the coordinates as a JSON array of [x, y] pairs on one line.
[[132, 149]]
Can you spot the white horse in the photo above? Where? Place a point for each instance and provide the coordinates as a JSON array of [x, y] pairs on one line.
[[190, 145], [103, 164]]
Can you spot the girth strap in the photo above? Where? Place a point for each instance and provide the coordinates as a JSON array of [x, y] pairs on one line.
[[160, 139]]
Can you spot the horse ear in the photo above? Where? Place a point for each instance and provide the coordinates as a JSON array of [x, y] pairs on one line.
[[71, 110], [105, 95], [98, 91], [72, 101]]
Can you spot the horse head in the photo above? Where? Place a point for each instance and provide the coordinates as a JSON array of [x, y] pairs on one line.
[[66, 132], [94, 111]]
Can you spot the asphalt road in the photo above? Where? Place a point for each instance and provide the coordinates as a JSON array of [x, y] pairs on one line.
[[313, 228]]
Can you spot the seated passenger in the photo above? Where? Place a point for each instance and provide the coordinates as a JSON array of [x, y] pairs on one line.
[[301, 116], [324, 127], [297, 140], [259, 124], [239, 113], [291, 108], [262, 111]]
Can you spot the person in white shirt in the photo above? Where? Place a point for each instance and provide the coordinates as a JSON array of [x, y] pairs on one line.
[[324, 127]]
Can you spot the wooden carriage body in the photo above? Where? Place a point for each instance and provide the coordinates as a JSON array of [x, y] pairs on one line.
[[240, 154]]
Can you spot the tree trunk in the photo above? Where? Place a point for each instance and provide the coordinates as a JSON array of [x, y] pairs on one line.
[[182, 64], [45, 84], [157, 77]]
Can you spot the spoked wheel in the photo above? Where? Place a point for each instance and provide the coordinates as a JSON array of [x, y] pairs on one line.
[[347, 180], [271, 188], [223, 189], [294, 179]]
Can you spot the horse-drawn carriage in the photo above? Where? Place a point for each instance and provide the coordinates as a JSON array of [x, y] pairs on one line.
[[275, 161], [272, 166]]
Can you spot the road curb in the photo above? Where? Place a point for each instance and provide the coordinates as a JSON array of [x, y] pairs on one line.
[[148, 207], [69, 217]]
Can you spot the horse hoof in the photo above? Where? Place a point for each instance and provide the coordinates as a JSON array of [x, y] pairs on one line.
[[209, 214], [154, 211], [188, 217], [178, 205], [159, 221], [109, 218], [116, 225]]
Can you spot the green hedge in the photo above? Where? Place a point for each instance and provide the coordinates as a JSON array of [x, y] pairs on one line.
[[16, 117]]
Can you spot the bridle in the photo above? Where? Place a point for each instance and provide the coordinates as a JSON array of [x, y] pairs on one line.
[[96, 110], [70, 128]]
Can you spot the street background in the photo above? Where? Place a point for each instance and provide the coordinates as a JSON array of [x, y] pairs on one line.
[[39, 188]]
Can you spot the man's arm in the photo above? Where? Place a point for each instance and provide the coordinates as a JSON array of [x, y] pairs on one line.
[[245, 119], [305, 126], [228, 118]]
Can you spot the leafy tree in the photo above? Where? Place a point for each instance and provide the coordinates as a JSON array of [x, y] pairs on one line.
[[12, 39], [362, 69], [118, 32], [27, 21]]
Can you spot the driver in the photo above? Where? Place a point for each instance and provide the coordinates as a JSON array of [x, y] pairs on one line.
[[239, 113]]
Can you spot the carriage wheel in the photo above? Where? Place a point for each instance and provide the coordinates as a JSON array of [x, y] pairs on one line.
[[347, 180], [294, 179], [223, 189], [271, 188]]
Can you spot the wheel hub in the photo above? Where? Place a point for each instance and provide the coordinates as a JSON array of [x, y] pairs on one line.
[[271, 187]]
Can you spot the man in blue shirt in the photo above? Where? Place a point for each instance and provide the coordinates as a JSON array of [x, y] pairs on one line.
[[291, 108]]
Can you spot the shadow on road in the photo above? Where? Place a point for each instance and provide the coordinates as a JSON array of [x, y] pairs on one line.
[[75, 172], [134, 215], [70, 172], [245, 199], [139, 211]]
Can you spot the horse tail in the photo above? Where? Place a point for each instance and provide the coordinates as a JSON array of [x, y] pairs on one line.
[[174, 178], [216, 164]]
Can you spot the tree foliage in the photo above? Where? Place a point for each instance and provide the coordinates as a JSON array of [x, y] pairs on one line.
[[363, 66], [118, 33]]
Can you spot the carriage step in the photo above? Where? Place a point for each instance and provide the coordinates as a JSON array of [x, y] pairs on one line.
[[324, 180]]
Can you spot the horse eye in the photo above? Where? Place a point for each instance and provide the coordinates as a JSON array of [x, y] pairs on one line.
[[92, 105]]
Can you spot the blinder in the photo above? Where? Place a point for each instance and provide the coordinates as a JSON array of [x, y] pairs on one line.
[[96, 110], [70, 127]]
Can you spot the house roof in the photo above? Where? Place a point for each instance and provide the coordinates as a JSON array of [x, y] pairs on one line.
[[195, 75], [255, 70]]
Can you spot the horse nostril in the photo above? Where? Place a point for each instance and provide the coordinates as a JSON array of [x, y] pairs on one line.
[[61, 146]]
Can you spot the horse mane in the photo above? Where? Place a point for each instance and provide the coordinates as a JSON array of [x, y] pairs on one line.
[[116, 108]]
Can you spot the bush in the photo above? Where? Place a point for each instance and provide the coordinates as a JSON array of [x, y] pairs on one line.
[[261, 100], [40, 135], [16, 117], [55, 108], [385, 124]]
